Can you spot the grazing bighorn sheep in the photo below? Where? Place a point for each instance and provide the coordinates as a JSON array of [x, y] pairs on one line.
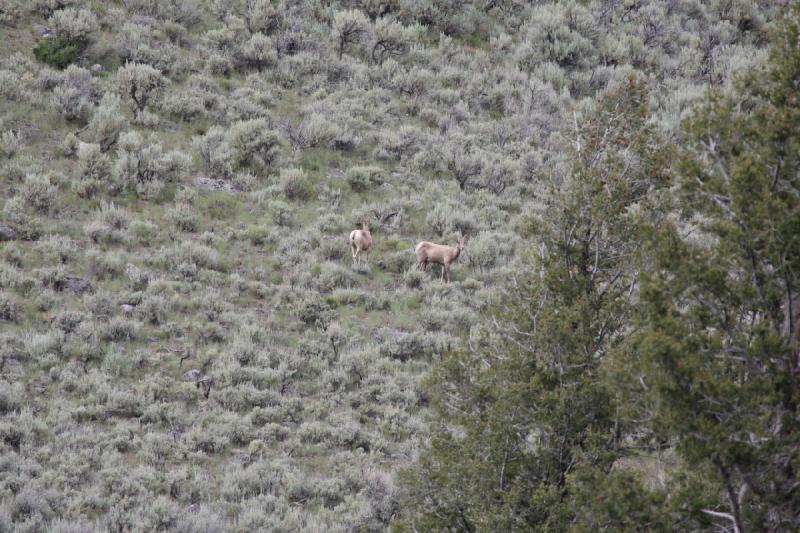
[[441, 254], [360, 243]]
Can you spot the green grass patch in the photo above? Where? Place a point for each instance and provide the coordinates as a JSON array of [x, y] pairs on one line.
[[218, 206]]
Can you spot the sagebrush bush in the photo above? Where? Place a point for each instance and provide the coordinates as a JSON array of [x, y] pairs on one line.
[[349, 28], [107, 121], [94, 171], [104, 265], [184, 217], [58, 249], [10, 309], [280, 212], [184, 105], [10, 11], [296, 185], [74, 24], [73, 96], [143, 167], [258, 52], [109, 226], [9, 84], [253, 142], [362, 178], [446, 219], [38, 193], [154, 310], [10, 144], [140, 83], [313, 312], [215, 152]]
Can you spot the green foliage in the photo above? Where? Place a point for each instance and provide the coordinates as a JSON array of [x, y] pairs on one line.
[[719, 314], [58, 52]]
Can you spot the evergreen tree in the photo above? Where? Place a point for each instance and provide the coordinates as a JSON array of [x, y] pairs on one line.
[[525, 408], [718, 342]]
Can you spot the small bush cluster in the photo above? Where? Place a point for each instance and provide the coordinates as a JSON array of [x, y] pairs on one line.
[[57, 52], [142, 165]]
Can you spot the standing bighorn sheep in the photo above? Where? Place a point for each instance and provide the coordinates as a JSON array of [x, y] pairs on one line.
[[360, 243], [428, 252]]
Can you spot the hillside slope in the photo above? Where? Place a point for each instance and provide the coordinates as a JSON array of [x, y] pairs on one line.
[[185, 344]]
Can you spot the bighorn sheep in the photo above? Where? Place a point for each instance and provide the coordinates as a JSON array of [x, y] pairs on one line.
[[441, 254], [360, 243]]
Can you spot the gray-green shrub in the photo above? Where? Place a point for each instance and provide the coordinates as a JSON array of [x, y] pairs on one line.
[[143, 167]]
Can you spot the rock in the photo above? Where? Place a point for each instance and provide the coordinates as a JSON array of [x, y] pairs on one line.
[[7, 233], [193, 375], [96, 68], [41, 31], [127, 309], [243, 458], [215, 184], [76, 285]]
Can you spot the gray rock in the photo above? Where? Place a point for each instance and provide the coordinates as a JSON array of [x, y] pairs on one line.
[[76, 285], [215, 184], [7, 233], [97, 67], [193, 375], [41, 31], [243, 458]]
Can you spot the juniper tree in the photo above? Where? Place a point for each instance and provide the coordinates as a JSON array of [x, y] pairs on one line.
[[526, 407], [719, 338]]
